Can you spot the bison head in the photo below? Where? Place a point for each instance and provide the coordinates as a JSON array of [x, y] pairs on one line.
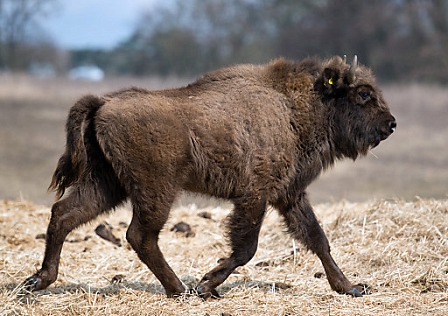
[[359, 116]]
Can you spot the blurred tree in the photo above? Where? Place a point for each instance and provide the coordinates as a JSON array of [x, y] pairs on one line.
[[19, 23], [430, 28], [399, 39], [165, 52], [233, 31], [188, 38]]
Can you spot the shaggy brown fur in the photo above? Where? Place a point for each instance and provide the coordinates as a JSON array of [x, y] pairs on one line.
[[257, 135]]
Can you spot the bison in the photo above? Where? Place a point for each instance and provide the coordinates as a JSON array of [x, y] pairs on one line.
[[256, 135]]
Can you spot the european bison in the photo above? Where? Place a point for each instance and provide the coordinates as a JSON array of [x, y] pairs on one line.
[[257, 135]]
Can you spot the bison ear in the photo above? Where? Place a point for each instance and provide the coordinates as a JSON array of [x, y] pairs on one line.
[[331, 82]]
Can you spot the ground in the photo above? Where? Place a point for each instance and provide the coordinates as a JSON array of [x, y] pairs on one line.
[[398, 248]]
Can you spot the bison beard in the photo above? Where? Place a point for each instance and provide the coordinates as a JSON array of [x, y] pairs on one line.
[[256, 135]]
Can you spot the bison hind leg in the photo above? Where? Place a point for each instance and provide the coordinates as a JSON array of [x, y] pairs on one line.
[[151, 209], [92, 196]]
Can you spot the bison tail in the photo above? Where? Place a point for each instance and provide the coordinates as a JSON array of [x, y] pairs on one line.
[[73, 162]]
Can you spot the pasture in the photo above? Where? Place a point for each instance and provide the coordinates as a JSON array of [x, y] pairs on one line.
[[385, 215]]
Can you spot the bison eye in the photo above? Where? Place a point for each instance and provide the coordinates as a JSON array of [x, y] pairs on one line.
[[364, 95]]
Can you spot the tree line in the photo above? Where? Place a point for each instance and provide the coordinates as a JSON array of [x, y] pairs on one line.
[[403, 40]]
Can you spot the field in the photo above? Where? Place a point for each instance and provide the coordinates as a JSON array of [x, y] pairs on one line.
[[386, 217], [412, 162], [400, 249]]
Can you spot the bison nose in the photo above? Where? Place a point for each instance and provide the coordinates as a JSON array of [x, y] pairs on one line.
[[392, 125]]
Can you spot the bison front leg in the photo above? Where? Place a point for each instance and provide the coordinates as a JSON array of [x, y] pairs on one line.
[[303, 226], [244, 227]]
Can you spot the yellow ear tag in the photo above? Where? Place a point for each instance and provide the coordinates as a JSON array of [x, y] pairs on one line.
[[330, 81]]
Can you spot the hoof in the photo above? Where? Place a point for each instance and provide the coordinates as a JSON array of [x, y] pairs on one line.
[[31, 283], [364, 288], [206, 290], [206, 294], [354, 292], [359, 290]]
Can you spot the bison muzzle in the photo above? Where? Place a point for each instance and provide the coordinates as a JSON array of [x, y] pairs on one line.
[[256, 135]]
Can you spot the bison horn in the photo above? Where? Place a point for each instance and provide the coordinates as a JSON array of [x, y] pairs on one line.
[[351, 72], [345, 59], [354, 63]]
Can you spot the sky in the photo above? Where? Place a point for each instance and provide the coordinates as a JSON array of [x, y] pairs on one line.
[[94, 23]]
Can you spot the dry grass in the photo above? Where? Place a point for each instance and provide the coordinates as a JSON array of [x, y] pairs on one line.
[[399, 248]]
